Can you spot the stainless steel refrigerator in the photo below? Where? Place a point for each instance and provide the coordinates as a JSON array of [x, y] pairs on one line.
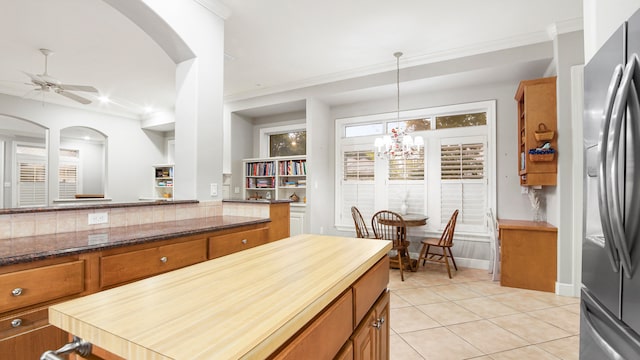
[[610, 297]]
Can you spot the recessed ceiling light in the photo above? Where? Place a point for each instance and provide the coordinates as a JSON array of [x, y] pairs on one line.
[[148, 109], [104, 99]]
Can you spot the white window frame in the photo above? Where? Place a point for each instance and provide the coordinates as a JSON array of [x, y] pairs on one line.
[[432, 200], [68, 160], [267, 131], [15, 169]]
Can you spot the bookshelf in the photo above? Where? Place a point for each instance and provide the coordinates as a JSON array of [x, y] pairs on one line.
[[163, 182], [276, 178]]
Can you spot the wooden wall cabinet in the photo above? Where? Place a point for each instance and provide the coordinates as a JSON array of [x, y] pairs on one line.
[[537, 125], [528, 254]]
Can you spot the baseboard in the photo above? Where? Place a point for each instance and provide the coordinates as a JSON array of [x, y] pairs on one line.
[[465, 262], [564, 289]]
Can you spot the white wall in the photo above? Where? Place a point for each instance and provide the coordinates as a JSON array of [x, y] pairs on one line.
[[601, 19], [128, 176]]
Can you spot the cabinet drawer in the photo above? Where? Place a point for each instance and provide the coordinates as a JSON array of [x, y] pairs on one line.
[[228, 244], [368, 288], [18, 323], [138, 264], [323, 337], [29, 287]]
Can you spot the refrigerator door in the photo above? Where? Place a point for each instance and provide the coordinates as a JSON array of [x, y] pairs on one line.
[[600, 262], [631, 286], [602, 336]]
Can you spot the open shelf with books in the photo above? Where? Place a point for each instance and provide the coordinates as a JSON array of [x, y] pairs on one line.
[[163, 182], [277, 178]]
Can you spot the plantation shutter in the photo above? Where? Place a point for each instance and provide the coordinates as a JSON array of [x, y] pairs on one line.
[[463, 181], [68, 181], [358, 182], [406, 181], [32, 185]]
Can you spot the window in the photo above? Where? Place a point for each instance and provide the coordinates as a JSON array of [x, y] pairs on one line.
[[288, 144], [31, 168], [358, 165], [68, 183], [462, 174], [452, 171]]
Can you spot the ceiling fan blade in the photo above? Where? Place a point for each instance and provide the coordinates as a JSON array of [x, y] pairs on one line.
[[78, 88], [73, 96], [35, 79]]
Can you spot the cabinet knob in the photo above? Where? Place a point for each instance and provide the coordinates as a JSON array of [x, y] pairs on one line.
[[16, 322], [376, 324], [16, 292], [381, 320], [164, 259], [244, 241]]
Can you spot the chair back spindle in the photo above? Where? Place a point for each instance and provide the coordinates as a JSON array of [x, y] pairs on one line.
[[361, 226]]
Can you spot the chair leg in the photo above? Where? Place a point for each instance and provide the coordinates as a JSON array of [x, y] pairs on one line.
[[452, 259], [400, 265], [423, 255], [446, 261]]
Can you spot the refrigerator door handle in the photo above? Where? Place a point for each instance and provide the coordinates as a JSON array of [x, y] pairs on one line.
[[605, 218], [587, 303], [595, 335], [622, 101]]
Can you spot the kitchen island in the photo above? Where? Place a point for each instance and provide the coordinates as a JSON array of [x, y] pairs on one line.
[[272, 300]]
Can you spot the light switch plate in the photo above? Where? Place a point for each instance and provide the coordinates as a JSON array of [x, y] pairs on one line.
[[214, 189]]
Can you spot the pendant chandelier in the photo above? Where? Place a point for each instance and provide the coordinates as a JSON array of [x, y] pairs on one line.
[[398, 144]]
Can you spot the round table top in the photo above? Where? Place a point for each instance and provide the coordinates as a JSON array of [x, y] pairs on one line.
[[415, 219], [411, 220]]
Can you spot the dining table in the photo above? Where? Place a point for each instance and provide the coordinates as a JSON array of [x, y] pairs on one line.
[[410, 220]]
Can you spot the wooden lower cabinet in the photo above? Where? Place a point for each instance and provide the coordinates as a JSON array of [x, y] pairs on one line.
[[371, 339], [129, 264], [31, 344], [24, 330], [324, 337], [528, 254], [231, 243]]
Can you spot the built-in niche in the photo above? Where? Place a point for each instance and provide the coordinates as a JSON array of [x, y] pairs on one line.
[[82, 164], [23, 162]]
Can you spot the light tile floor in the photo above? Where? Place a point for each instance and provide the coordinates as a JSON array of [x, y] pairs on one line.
[[472, 317]]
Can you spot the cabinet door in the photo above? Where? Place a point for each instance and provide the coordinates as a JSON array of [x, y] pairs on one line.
[[382, 316], [32, 344], [296, 224], [364, 339]]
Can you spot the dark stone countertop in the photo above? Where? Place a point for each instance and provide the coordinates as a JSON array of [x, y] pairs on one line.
[[33, 248], [93, 206], [258, 201]]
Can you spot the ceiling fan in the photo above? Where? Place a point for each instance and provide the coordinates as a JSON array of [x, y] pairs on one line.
[[45, 83]]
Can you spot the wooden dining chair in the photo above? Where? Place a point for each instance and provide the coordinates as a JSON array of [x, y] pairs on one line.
[[389, 225], [443, 246], [361, 225], [494, 261]]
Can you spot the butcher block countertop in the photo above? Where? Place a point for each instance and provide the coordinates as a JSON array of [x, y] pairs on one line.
[[244, 305]]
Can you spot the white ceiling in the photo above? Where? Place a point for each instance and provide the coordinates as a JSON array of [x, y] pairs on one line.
[[272, 46]]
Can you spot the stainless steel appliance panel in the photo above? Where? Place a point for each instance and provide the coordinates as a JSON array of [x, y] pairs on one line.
[[598, 273], [631, 286]]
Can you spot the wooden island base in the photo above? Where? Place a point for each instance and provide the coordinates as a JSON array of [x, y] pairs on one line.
[[322, 296]]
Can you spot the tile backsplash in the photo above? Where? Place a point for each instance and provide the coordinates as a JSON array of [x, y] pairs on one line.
[[59, 221]]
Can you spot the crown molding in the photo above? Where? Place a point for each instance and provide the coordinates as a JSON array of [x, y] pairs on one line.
[[410, 61], [564, 27]]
